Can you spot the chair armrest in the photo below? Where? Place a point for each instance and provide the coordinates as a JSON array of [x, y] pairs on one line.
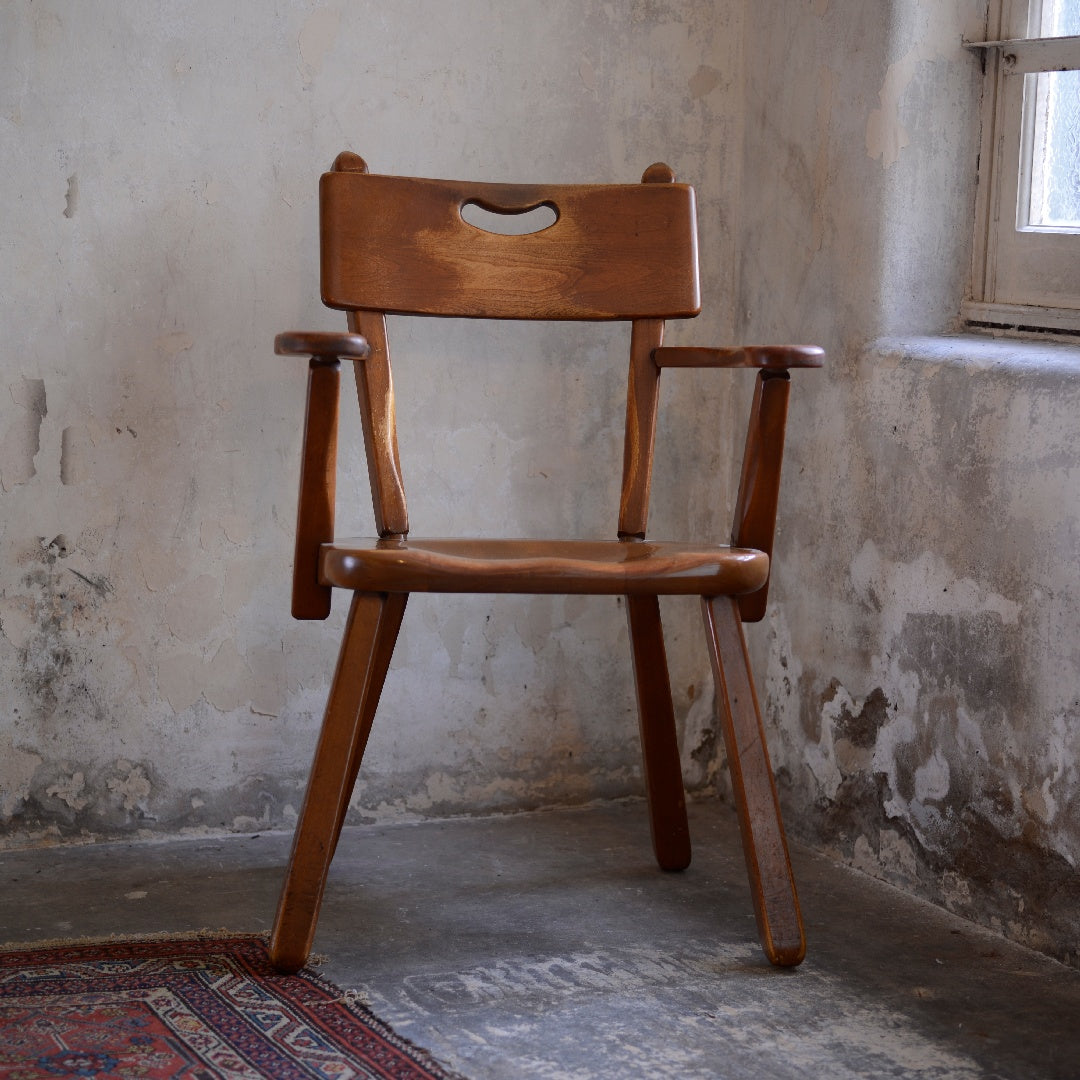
[[767, 357], [759, 482], [321, 344]]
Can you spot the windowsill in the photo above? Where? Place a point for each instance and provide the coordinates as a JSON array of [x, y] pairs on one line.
[[1021, 319], [984, 351]]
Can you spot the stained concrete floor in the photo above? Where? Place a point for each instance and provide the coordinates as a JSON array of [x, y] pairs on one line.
[[548, 945]]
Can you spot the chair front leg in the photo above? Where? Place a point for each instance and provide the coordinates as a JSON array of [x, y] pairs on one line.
[[772, 885], [382, 652], [659, 744], [370, 634]]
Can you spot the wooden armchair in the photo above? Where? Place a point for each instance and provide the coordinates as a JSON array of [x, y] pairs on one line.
[[625, 252]]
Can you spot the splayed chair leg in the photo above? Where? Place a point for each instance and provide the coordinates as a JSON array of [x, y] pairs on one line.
[[370, 634], [768, 864]]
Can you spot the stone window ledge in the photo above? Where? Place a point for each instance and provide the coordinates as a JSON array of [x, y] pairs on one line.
[[998, 355]]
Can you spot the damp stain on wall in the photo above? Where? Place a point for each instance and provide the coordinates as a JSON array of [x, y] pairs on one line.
[[932, 779]]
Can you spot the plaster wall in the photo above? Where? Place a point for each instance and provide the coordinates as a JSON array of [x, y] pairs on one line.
[[159, 175], [919, 659]]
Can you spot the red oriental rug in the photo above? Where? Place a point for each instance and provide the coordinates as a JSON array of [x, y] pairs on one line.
[[195, 1008]]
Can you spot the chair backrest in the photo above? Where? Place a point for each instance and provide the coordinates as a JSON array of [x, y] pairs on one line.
[[400, 245]]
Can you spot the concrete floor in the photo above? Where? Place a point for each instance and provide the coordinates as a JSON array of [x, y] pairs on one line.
[[549, 945]]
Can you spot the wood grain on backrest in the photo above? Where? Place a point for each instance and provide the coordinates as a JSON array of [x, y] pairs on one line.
[[400, 245]]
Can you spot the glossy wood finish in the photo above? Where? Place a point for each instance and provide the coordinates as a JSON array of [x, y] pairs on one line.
[[628, 252], [386, 616], [591, 567], [661, 766], [773, 357], [659, 172], [318, 480], [318, 469], [370, 634], [321, 344], [398, 244], [375, 394], [642, 402], [772, 884], [759, 485], [347, 161]]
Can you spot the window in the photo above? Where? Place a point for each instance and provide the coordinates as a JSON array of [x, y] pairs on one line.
[[1027, 245]]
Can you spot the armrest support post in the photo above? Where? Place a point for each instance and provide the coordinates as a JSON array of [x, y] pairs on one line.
[[318, 483], [318, 467], [759, 485]]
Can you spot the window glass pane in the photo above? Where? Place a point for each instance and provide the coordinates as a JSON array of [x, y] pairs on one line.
[[1055, 150], [1060, 18]]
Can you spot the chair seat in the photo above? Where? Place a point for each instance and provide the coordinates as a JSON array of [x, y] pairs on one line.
[[611, 567]]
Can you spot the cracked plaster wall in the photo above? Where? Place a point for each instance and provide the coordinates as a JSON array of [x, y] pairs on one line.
[[159, 173], [920, 661]]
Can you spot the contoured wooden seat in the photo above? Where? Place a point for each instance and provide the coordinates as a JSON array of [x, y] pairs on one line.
[[614, 252]]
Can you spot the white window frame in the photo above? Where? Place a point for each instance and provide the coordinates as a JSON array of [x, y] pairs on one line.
[[1022, 277]]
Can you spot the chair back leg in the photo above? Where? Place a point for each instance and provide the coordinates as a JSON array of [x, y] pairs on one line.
[[370, 635], [659, 744], [768, 864]]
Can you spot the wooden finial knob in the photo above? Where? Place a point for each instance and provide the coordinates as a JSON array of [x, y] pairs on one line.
[[658, 173], [347, 161]]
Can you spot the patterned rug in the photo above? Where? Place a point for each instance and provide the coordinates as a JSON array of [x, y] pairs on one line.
[[195, 1008]]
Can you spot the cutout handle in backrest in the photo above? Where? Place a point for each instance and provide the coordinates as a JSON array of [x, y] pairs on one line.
[[401, 245], [509, 222]]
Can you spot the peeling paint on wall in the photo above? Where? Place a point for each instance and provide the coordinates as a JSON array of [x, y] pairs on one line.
[[938, 33], [17, 769], [920, 666], [71, 198], [939, 747], [318, 37], [130, 786], [704, 81], [21, 439], [70, 790]]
